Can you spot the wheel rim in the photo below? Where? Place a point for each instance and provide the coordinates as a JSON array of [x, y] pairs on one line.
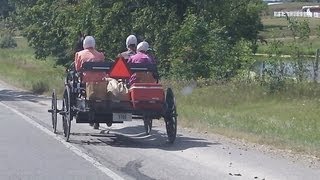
[[54, 111], [66, 119], [171, 116]]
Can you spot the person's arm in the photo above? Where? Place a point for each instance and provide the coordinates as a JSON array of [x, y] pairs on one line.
[[120, 55], [98, 56], [132, 59], [102, 59], [129, 60], [77, 61], [103, 56]]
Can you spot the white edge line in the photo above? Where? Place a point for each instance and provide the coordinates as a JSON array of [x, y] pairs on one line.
[[74, 149]]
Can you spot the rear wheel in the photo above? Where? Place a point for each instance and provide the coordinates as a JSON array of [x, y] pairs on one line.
[[171, 116], [54, 111], [66, 116]]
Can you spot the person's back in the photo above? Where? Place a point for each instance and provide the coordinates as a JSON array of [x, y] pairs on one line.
[[127, 54], [141, 58], [89, 54]]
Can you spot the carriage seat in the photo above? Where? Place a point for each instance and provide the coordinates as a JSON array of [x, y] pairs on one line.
[[144, 73]]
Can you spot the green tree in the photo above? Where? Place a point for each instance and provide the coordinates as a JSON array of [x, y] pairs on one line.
[[51, 27], [300, 32], [5, 8]]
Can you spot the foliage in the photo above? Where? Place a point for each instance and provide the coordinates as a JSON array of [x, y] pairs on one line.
[[20, 68], [7, 41], [300, 32], [5, 8], [51, 27], [40, 87], [197, 47], [274, 75]]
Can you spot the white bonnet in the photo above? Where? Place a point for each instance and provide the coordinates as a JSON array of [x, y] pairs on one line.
[[89, 42], [131, 40], [143, 46]]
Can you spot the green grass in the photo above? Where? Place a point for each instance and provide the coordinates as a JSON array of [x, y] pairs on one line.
[[277, 27], [308, 47], [288, 119], [19, 67]]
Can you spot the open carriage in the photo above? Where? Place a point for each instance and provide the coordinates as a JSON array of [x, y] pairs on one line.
[[145, 101]]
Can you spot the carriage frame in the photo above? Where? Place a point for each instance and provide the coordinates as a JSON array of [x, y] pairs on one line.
[[76, 106]]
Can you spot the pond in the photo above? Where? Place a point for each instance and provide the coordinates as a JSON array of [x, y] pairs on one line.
[[289, 69]]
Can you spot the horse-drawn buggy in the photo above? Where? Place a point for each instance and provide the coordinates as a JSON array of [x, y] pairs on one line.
[[90, 102]]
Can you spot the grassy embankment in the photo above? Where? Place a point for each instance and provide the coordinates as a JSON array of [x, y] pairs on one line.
[[19, 67], [288, 119]]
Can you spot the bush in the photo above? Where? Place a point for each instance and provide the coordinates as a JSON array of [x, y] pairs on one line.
[[198, 50], [7, 41], [40, 87]]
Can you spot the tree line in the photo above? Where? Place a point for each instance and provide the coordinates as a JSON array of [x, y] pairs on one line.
[[191, 38]]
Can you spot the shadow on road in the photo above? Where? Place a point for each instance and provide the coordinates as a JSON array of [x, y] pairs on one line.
[[14, 95], [135, 137]]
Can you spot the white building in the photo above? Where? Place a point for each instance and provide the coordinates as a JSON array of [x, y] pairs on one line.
[[273, 2]]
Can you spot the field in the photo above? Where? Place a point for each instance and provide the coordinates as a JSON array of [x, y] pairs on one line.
[[277, 28], [307, 47]]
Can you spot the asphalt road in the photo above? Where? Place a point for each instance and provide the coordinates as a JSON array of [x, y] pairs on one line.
[[29, 150]]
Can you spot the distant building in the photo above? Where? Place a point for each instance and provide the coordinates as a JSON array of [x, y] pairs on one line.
[[310, 9], [273, 2]]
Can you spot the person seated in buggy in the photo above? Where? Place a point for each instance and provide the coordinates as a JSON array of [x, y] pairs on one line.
[[142, 58], [89, 54], [131, 43]]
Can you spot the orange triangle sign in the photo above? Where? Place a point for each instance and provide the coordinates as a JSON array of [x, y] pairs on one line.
[[120, 69]]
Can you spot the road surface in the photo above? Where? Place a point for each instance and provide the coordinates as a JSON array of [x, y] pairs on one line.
[[29, 150]]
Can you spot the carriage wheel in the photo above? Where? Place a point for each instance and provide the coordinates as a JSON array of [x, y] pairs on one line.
[[66, 116], [147, 125], [54, 111], [171, 116]]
